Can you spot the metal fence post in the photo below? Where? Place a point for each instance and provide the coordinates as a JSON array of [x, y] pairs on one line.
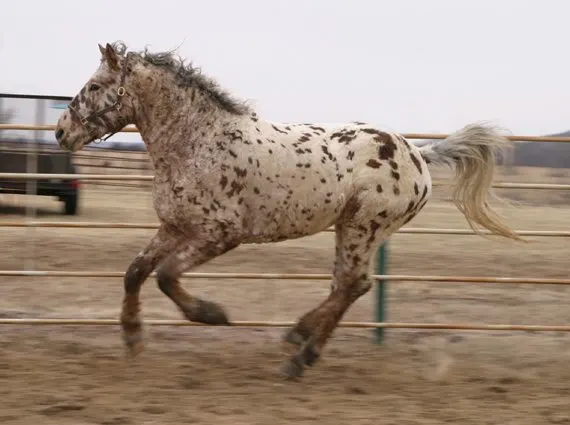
[[380, 269]]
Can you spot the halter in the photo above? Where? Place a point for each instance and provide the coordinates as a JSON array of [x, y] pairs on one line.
[[89, 119]]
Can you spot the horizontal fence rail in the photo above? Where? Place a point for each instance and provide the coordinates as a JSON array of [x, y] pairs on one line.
[[294, 276], [432, 136], [54, 176], [409, 230], [146, 177], [276, 324]]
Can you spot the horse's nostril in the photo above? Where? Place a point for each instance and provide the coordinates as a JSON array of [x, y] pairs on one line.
[[59, 134]]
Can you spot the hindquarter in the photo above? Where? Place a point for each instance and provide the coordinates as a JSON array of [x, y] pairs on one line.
[[392, 183]]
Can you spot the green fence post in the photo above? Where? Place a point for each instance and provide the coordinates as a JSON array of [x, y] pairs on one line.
[[380, 269]]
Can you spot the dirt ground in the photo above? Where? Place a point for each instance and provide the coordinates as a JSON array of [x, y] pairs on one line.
[[79, 375]]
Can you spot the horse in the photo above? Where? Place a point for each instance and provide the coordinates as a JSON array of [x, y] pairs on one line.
[[224, 176]]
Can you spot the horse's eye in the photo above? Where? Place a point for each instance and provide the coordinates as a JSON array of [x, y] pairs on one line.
[[93, 87]]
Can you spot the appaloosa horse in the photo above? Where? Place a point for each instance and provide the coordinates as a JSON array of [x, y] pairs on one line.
[[224, 177]]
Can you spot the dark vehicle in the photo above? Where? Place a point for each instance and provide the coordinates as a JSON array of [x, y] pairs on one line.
[[67, 191]]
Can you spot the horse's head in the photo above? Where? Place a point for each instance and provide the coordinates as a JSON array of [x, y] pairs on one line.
[[102, 106]]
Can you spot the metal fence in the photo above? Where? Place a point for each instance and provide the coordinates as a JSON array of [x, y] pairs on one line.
[[380, 276]]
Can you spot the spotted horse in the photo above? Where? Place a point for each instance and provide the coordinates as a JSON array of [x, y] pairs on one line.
[[224, 176]]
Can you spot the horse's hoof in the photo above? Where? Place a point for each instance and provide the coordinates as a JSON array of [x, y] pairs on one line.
[[133, 339], [292, 369], [309, 354], [135, 349], [209, 313]]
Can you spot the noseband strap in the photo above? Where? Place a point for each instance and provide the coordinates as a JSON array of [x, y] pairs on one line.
[[89, 120]]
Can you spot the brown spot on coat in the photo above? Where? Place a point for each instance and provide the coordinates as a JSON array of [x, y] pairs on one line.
[[386, 151], [352, 206], [314, 127], [409, 218], [236, 188], [416, 162], [374, 226], [410, 207], [240, 172], [347, 137], [423, 194], [278, 129], [372, 163], [326, 151]]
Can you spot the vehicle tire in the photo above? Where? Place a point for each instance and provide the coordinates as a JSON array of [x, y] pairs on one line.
[[70, 204]]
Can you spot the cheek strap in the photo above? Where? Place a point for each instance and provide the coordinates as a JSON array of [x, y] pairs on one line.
[[88, 121]]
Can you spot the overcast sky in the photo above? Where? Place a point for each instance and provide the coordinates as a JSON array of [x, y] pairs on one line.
[[405, 65]]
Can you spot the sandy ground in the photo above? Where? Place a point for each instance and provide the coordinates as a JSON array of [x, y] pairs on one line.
[[79, 375]]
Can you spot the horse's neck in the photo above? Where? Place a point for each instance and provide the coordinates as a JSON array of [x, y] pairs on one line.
[[174, 120]]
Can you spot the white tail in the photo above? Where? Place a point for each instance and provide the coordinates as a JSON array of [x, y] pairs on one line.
[[472, 152]]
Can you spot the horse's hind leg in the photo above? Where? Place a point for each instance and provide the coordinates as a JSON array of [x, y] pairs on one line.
[[162, 243], [185, 257], [354, 247]]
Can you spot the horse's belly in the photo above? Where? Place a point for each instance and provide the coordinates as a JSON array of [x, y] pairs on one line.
[[293, 220]]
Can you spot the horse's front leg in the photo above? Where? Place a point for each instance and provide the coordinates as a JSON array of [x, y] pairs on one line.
[[162, 243], [187, 256]]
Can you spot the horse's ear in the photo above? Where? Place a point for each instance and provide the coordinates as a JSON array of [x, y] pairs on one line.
[[102, 50], [110, 56]]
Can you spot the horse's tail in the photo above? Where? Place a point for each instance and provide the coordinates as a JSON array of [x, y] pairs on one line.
[[472, 151]]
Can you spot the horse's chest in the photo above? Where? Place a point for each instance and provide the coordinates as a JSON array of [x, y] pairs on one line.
[[176, 204]]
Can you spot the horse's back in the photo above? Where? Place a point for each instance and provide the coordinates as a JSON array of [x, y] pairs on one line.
[[355, 158]]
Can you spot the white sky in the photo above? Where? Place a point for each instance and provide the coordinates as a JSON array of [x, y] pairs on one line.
[[405, 65]]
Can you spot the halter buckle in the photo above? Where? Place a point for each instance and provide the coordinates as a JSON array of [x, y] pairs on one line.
[[121, 91]]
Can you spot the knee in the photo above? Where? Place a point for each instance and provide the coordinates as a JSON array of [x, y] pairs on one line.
[[351, 282], [359, 287], [133, 278], [165, 280], [363, 286]]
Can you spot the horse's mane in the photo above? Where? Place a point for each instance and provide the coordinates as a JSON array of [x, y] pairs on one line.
[[188, 76]]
